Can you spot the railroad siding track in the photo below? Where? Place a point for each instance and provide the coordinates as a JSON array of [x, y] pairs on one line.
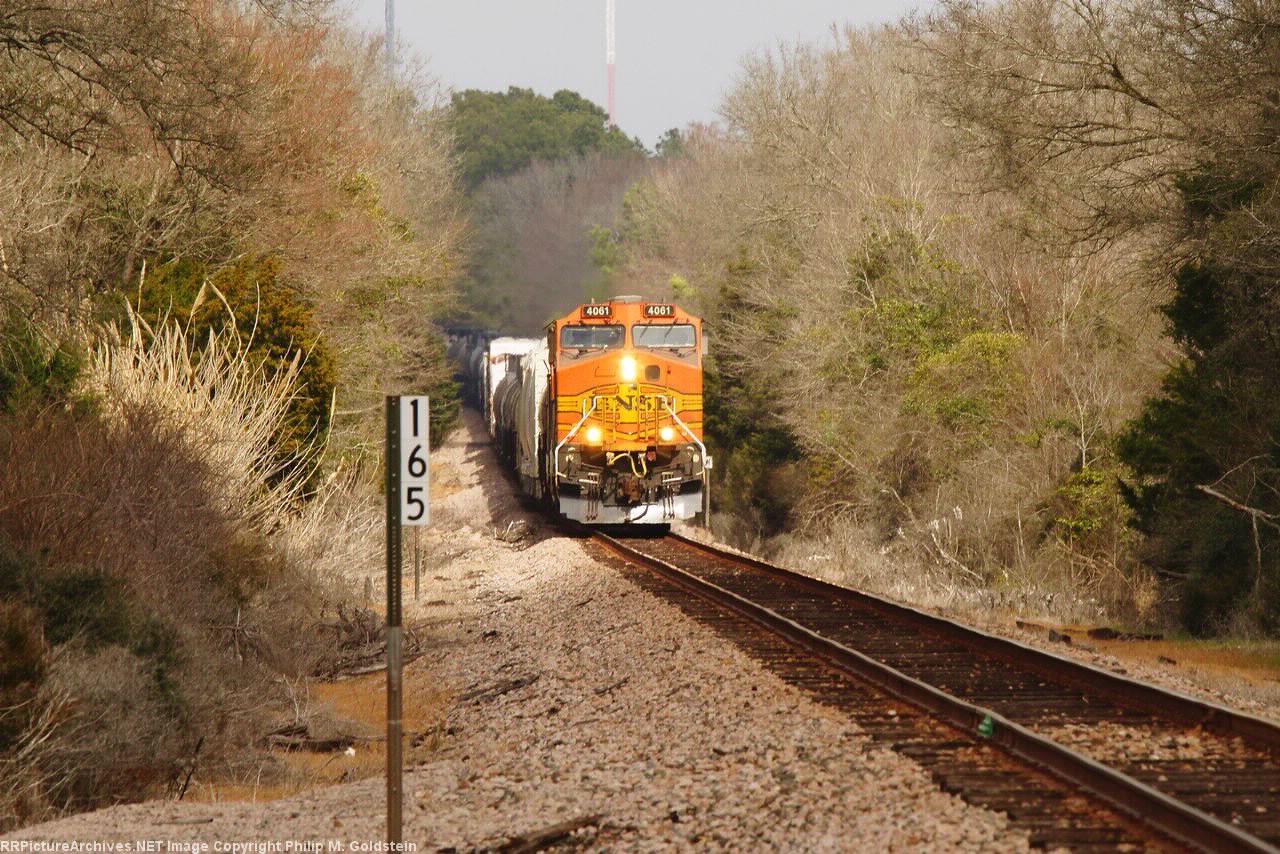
[[1220, 763]]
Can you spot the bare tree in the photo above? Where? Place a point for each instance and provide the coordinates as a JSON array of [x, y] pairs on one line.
[[942, 368], [1096, 107], [534, 234]]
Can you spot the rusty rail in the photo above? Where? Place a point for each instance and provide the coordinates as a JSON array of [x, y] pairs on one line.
[[1168, 816]]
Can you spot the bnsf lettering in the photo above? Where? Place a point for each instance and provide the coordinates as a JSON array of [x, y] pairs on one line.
[[607, 405], [659, 311], [597, 310]]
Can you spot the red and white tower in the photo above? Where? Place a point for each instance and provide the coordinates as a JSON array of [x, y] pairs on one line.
[[390, 46], [609, 57]]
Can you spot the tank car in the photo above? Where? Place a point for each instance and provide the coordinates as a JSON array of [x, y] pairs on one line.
[[502, 355], [477, 373], [505, 400], [528, 415]]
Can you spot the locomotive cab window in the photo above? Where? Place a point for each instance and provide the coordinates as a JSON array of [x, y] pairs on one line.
[[593, 337], [663, 336]]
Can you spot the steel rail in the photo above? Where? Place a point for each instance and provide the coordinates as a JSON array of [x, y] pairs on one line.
[[1166, 815], [1128, 693]]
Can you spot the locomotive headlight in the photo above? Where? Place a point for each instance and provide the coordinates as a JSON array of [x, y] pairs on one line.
[[628, 369], [594, 435], [667, 433]]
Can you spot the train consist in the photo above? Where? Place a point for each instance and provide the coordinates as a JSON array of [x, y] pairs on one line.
[[602, 418]]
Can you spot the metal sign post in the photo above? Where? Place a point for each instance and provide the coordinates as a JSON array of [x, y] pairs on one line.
[[408, 503]]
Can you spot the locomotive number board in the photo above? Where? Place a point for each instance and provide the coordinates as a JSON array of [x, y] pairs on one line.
[[654, 310], [597, 310]]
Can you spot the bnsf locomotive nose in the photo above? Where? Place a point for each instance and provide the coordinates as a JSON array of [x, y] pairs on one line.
[[589, 415]]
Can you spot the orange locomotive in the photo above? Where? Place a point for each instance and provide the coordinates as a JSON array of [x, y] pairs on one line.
[[618, 431]]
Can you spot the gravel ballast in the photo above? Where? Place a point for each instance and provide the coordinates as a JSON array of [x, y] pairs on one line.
[[582, 701]]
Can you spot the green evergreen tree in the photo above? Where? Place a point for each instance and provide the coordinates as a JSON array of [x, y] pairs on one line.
[[500, 133], [1206, 451], [274, 320], [756, 452]]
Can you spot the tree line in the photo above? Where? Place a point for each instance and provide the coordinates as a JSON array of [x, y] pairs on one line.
[[993, 304], [226, 234], [991, 299]]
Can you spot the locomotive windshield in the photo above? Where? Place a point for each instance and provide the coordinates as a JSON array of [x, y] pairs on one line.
[[656, 337], [592, 337]]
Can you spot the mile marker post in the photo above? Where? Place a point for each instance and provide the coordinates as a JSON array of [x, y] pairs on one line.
[[408, 504]]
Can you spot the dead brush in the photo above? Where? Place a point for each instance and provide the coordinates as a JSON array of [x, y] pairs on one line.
[[168, 489], [138, 573], [339, 533], [27, 768], [214, 393]]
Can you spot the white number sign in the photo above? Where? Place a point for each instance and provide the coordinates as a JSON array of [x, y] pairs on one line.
[[415, 461]]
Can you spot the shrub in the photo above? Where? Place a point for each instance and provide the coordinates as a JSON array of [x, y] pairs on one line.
[[227, 404], [32, 370], [23, 662], [251, 306], [966, 386], [148, 572], [755, 455]]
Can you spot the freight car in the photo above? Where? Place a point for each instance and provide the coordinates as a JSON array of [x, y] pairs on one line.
[[503, 355], [603, 418], [467, 353]]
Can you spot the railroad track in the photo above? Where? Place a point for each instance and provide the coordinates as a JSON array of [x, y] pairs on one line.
[[1000, 724]]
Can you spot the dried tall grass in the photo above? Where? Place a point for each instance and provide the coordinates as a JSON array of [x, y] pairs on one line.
[[169, 482], [339, 535], [231, 405], [27, 770]]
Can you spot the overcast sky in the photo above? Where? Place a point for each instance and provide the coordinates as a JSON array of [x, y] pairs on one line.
[[676, 58]]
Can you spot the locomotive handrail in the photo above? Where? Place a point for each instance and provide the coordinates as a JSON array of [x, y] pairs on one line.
[[686, 430], [573, 432]]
